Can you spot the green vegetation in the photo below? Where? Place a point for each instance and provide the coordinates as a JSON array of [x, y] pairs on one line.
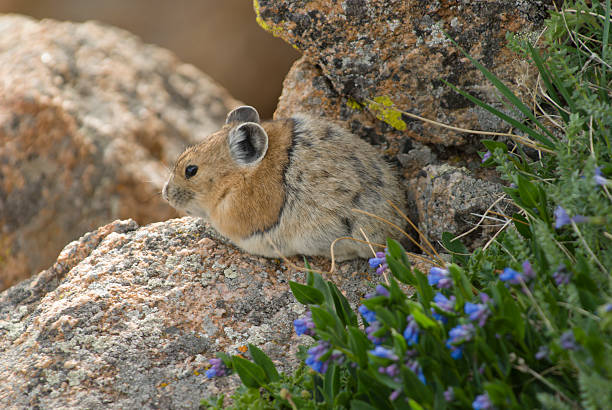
[[524, 323]]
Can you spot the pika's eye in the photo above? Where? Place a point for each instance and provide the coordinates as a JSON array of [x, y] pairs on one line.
[[190, 171]]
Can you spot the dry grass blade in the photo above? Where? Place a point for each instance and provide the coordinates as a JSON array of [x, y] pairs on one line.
[[421, 235]]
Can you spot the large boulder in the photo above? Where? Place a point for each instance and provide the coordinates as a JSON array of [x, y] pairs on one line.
[[364, 60], [89, 115], [129, 316]]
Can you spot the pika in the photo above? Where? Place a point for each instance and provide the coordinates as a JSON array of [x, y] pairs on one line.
[[287, 187]]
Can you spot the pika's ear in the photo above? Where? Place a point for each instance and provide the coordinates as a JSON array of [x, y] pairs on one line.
[[248, 143], [246, 113]]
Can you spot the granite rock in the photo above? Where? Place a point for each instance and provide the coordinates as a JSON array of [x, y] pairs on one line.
[[89, 115], [364, 60], [129, 316], [451, 199]]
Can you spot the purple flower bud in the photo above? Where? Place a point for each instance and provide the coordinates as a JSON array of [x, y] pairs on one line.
[[561, 276], [486, 156], [315, 354], [373, 328], [482, 402], [381, 291], [528, 271], [395, 394], [416, 368], [608, 308], [561, 217], [439, 277], [542, 353], [218, 369], [449, 394], [567, 341], [461, 334]]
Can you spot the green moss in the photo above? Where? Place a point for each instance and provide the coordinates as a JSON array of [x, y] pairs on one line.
[[354, 104], [276, 31], [383, 108]]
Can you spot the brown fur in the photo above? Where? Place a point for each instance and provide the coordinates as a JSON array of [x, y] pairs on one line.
[[298, 197]]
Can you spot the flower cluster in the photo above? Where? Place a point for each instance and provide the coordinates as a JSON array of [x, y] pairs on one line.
[[439, 277], [380, 262], [304, 325], [321, 351], [217, 369]]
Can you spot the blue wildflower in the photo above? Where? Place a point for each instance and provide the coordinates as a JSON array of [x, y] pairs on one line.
[[315, 354], [567, 341], [444, 303], [439, 317], [511, 276], [478, 312], [486, 156], [599, 178], [367, 314], [449, 394], [411, 333], [304, 325], [383, 352], [561, 276], [455, 351], [482, 402], [381, 261], [218, 369], [608, 308], [439, 277]]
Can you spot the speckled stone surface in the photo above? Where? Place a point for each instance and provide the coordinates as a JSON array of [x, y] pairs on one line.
[[129, 316], [375, 58], [450, 199], [89, 115]]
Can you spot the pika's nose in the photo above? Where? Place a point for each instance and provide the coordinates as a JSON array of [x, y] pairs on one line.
[[165, 191]]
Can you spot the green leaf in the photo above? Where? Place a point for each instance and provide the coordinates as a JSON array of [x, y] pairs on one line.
[[528, 191], [306, 295], [493, 145], [455, 247], [343, 309], [420, 317], [359, 345], [331, 383], [396, 250], [361, 405], [414, 405], [522, 225], [322, 318], [261, 359], [250, 374], [424, 290]]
